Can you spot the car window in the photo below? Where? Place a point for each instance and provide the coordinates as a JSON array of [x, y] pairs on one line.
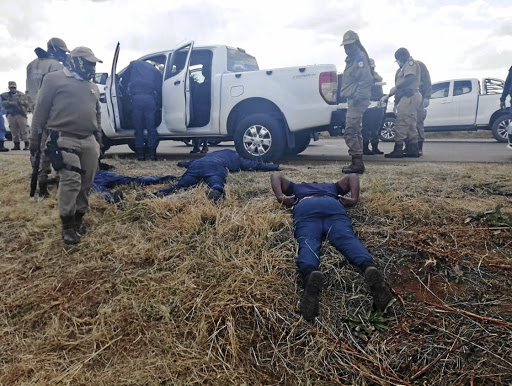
[[462, 87], [239, 61], [178, 62], [440, 90]]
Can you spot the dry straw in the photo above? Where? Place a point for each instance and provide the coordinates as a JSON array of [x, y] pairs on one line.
[[180, 291]]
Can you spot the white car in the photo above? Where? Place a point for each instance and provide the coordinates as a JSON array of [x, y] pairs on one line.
[[267, 113], [460, 105]]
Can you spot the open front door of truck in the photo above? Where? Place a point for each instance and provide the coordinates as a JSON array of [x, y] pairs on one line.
[[112, 94], [176, 89]]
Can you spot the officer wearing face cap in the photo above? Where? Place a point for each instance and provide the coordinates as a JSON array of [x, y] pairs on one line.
[[46, 62], [15, 104], [356, 86], [408, 100], [68, 106]]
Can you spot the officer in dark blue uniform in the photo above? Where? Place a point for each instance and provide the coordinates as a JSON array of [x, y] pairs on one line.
[[213, 169], [318, 212], [144, 84]]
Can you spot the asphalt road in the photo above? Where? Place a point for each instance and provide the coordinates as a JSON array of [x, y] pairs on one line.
[[334, 149]]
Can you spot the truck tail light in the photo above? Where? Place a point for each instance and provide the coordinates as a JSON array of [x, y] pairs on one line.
[[328, 86]]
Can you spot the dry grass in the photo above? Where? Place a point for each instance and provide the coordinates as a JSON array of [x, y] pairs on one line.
[[178, 291]]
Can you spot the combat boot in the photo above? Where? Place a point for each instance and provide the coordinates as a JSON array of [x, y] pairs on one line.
[[16, 146], [309, 303], [26, 145], [412, 150], [69, 235], [141, 156], [397, 151], [375, 148], [80, 228], [196, 148], [420, 148], [205, 147], [152, 153], [2, 148], [357, 165], [382, 297], [366, 149], [43, 190]]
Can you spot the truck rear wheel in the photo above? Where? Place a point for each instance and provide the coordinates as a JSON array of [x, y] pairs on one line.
[[260, 137], [387, 131], [499, 128]]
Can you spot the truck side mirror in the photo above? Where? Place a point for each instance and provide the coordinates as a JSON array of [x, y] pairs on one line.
[[100, 78]]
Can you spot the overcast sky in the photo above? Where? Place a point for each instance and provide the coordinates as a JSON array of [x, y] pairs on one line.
[[454, 38]]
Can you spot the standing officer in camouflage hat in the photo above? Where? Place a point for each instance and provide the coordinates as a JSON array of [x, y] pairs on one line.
[[15, 104], [408, 100], [356, 86], [46, 62], [68, 106]]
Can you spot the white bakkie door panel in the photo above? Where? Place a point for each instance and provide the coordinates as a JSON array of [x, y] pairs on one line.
[[112, 92], [441, 110], [176, 89]]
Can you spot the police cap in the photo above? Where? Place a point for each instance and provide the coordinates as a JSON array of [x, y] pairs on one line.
[[55, 43], [12, 83], [85, 53], [349, 37]]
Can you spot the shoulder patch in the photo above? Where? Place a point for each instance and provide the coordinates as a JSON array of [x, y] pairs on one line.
[[360, 64], [411, 63]]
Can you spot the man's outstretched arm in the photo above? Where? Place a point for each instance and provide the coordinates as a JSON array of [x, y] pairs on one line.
[[350, 183], [280, 185]]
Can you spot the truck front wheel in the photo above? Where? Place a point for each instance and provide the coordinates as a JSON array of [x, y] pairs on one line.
[[499, 128], [387, 131], [260, 137]]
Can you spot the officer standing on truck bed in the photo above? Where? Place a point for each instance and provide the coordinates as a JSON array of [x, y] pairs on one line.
[[408, 100], [68, 106], [356, 86]]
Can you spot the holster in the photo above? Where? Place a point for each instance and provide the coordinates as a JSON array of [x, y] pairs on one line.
[[54, 153]]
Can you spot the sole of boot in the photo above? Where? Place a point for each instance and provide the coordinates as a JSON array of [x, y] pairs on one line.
[[391, 155], [309, 304], [382, 297]]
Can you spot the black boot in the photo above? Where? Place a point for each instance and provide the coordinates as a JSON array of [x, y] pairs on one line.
[[80, 228], [2, 148], [382, 297], [43, 190], [375, 147], [26, 145], [309, 303], [16, 146], [397, 151], [366, 150], [420, 148], [152, 153], [141, 156], [205, 147], [69, 235], [412, 150], [357, 165], [196, 148]]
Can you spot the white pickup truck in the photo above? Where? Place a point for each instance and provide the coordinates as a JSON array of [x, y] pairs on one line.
[[460, 105], [267, 113]]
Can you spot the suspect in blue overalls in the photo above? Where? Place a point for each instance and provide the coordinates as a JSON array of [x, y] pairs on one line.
[[213, 169]]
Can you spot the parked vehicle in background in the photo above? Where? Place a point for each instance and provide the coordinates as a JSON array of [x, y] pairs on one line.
[[460, 105], [218, 92]]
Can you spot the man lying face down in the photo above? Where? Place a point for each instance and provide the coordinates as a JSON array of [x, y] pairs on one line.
[[318, 212]]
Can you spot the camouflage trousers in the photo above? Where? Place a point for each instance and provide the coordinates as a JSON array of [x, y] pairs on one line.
[[407, 119], [18, 126], [74, 188], [353, 126]]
